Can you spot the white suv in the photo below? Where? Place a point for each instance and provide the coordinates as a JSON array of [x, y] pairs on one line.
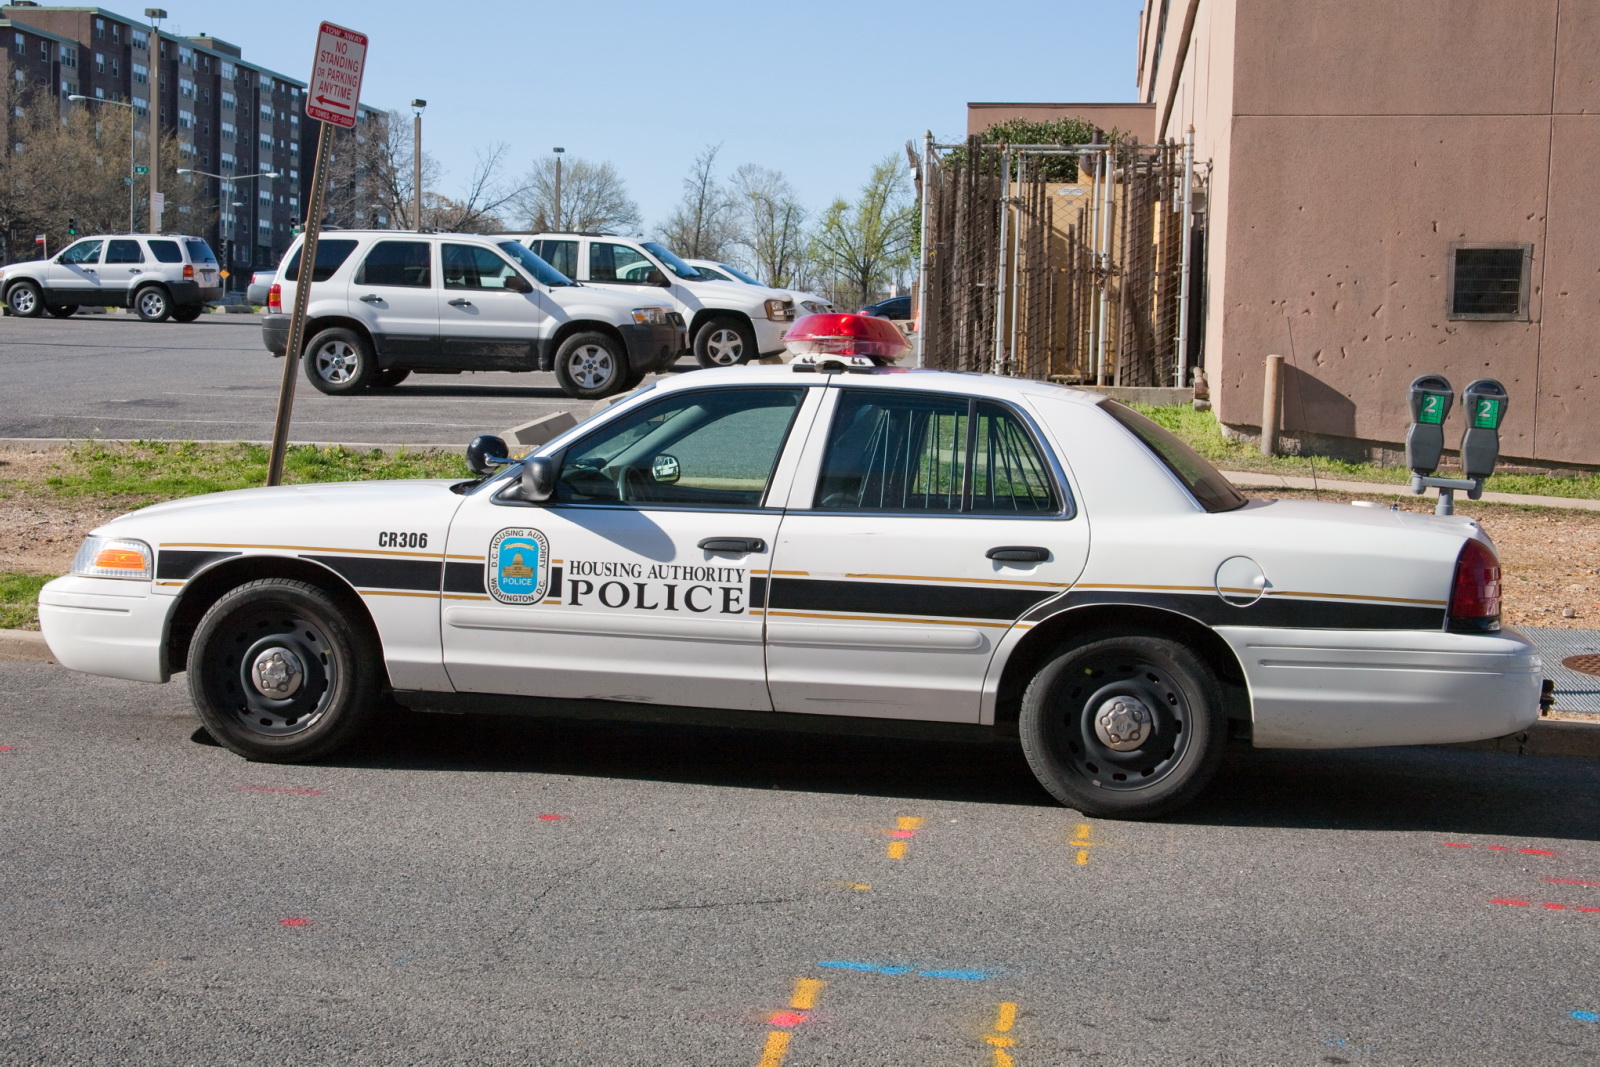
[[805, 303], [385, 303], [728, 324], [158, 275]]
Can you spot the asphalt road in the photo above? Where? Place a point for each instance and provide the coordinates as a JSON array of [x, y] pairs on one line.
[[113, 376], [475, 890]]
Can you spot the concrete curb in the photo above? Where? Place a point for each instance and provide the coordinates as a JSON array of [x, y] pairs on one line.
[[25, 645], [1547, 737], [1262, 480]]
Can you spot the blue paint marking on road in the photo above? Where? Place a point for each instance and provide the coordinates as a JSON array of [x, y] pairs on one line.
[[879, 968], [1587, 1016]]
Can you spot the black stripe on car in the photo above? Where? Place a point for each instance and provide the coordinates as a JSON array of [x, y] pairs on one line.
[[1281, 612], [176, 564], [895, 598], [378, 573]]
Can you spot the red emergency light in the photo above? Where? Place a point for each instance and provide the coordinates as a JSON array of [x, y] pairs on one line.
[[851, 341]]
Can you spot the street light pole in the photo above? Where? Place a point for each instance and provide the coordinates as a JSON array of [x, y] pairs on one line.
[[416, 162], [155, 15], [133, 121], [558, 152]]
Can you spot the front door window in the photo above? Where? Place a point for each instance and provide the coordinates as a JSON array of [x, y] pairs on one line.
[[617, 263], [82, 252]]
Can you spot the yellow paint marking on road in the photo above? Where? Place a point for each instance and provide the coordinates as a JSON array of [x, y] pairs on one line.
[[897, 850], [1083, 829], [777, 1048], [1083, 857], [908, 822], [1000, 1042], [805, 993], [1083, 844], [857, 885], [1003, 1060], [1005, 1018]]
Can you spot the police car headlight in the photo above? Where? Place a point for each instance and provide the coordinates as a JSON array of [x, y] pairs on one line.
[[780, 310], [656, 316], [113, 557]]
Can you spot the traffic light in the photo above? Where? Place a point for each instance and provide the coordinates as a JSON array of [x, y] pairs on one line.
[[72, 227]]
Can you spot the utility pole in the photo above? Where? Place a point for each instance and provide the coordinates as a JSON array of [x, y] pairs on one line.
[[558, 152], [416, 163], [155, 15]]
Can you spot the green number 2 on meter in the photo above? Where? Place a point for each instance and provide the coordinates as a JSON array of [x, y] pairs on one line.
[[1432, 410], [1486, 415]]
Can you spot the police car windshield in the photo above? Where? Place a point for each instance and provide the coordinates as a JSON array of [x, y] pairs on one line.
[[535, 266], [1214, 492], [674, 264]]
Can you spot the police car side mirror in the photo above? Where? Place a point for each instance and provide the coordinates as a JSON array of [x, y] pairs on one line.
[[485, 454], [538, 479]]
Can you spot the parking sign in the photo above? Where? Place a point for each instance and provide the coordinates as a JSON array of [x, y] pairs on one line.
[[335, 89]]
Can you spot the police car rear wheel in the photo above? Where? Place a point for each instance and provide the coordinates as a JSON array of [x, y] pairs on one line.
[[339, 361], [1125, 727], [278, 673]]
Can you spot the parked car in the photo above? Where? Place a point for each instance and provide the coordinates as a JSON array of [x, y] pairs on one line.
[[804, 303], [158, 275], [385, 304], [260, 284], [727, 324], [997, 555], [896, 307]]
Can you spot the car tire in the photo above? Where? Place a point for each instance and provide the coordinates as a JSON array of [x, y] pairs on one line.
[[188, 312], [153, 304], [25, 300], [339, 362], [279, 672], [1099, 758], [62, 311], [591, 365], [724, 343], [387, 379]]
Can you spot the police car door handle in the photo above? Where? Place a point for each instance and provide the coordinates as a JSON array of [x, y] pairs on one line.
[[742, 545], [1018, 554]]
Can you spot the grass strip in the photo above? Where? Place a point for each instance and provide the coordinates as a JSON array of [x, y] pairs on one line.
[[1204, 435], [19, 600], [150, 471]]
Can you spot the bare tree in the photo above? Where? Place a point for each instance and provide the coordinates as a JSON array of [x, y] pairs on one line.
[[593, 197], [869, 243], [478, 210], [370, 173], [771, 223], [704, 224], [58, 165]]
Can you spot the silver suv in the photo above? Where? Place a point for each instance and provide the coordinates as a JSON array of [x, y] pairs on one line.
[[160, 276]]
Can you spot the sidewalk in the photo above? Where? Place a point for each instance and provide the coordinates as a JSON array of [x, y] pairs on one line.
[[1264, 480]]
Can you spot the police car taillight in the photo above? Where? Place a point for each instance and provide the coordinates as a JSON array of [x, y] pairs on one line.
[[1475, 589], [850, 342], [275, 300]]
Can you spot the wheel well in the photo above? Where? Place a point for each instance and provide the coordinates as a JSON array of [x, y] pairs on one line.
[[581, 326], [329, 322], [206, 588], [152, 284], [705, 315], [1070, 627]]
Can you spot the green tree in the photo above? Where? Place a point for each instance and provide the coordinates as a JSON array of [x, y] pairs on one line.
[[868, 244]]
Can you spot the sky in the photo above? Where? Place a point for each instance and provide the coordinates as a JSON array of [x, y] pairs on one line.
[[820, 90]]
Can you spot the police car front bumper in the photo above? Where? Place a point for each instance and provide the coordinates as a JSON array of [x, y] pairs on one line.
[[108, 626], [650, 347], [1363, 688]]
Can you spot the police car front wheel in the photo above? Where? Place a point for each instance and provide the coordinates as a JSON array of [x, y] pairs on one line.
[[279, 673], [1129, 726]]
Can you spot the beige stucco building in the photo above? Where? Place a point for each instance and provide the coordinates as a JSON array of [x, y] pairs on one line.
[[1390, 188]]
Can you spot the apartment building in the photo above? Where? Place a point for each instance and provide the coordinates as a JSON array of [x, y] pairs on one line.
[[232, 117]]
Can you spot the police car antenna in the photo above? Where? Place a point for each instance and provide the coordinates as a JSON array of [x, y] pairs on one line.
[[1299, 392]]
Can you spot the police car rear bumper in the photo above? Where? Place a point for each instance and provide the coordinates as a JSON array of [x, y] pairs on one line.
[[106, 626], [1363, 688]]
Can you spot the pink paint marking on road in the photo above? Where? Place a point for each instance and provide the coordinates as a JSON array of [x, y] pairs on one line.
[[294, 922], [787, 1018], [1514, 903], [1456, 844], [902, 833], [550, 818], [1548, 906]]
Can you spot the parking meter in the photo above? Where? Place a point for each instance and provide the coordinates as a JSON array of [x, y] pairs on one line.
[[1485, 401], [1431, 397]]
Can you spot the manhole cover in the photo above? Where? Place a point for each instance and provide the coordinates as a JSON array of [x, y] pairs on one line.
[[1583, 664]]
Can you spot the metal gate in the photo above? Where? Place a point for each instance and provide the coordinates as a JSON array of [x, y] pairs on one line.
[[1064, 263]]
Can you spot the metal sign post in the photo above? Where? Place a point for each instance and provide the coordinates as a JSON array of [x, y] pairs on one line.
[[332, 99]]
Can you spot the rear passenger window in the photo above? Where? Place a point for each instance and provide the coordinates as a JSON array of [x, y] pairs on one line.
[[562, 255], [931, 453], [470, 267], [166, 251], [124, 251], [404, 263], [331, 255]]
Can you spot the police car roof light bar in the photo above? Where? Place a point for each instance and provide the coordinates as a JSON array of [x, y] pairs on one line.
[[847, 342]]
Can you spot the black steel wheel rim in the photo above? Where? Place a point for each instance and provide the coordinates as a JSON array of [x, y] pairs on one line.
[[1099, 682], [253, 639]]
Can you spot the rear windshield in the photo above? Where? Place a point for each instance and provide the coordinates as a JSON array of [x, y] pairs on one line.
[[331, 254], [1214, 492], [199, 251], [166, 251]]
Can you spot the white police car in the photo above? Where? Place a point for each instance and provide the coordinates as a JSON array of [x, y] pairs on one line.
[[896, 545]]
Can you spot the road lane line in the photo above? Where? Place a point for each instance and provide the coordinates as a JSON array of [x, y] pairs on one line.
[[802, 1000], [1005, 1018]]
